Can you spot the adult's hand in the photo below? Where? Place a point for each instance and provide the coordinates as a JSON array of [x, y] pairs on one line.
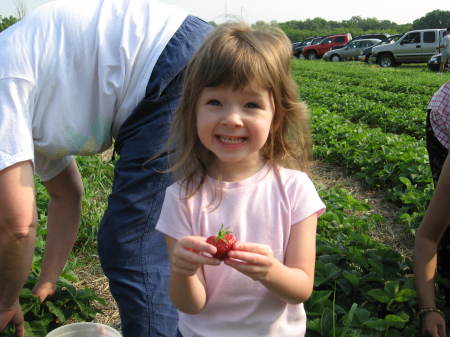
[[43, 289], [433, 325], [13, 316]]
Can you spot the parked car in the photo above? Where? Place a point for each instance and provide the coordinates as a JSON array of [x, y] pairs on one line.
[[350, 51], [416, 46], [365, 54], [316, 51], [379, 36], [299, 49], [435, 61]]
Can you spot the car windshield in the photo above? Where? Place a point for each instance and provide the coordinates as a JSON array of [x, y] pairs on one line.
[[393, 38], [390, 39]]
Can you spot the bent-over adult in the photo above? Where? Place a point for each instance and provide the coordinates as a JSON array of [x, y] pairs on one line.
[[74, 75]]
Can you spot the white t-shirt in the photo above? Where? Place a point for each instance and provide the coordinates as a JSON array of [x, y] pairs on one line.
[[261, 208], [446, 44], [71, 72]]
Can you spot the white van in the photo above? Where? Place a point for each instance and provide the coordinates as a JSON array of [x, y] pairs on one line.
[[416, 46]]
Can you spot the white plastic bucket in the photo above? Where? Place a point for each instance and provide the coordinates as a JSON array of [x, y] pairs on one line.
[[85, 329]]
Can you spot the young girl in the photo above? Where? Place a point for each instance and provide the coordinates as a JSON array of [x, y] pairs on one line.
[[237, 128]]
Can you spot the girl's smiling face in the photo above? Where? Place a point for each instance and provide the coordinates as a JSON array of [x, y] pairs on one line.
[[234, 124]]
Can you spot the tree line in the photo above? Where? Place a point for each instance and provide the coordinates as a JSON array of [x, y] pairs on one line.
[[356, 25], [5, 22]]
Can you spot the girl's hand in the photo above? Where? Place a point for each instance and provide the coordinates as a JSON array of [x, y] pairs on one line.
[[189, 254], [43, 289], [433, 325], [252, 259]]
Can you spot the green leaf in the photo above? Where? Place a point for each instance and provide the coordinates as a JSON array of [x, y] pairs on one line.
[[405, 181], [391, 288], [326, 323], [56, 311], [397, 321], [349, 319], [313, 324], [29, 330], [379, 295], [376, 324], [405, 295], [353, 278]]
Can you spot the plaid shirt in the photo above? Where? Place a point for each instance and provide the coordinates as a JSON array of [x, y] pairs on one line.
[[440, 114]]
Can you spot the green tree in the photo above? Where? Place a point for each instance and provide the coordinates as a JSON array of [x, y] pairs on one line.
[[5, 22], [434, 19]]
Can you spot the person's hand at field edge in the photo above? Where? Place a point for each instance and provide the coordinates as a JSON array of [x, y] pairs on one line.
[[433, 325], [428, 236], [43, 289], [13, 316]]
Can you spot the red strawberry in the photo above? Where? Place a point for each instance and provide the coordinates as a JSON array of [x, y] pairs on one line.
[[223, 241]]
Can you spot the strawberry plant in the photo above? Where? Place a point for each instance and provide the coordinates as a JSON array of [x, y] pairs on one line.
[[362, 287], [67, 305]]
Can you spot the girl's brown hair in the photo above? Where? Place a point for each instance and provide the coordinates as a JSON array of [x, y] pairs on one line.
[[236, 55]]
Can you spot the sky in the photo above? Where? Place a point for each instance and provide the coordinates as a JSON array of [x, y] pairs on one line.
[[398, 11]]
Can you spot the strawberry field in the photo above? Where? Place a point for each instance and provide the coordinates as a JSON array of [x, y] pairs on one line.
[[370, 122], [367, 121]]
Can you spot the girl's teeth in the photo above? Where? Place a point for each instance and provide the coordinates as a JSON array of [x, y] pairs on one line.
[[231, 140]]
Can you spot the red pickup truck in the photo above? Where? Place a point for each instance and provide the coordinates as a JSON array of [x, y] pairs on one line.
[[316, 51]]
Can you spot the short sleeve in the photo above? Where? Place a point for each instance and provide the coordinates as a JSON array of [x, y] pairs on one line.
[[305, 201], [16, 140], [174, 220]]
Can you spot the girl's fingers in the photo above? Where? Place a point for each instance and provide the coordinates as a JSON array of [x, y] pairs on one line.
[[257, 248], [263, 256], [256, 272], [192, 257], [197, 243]]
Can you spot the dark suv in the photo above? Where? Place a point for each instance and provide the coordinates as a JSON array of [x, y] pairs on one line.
[[298, 46], [435, 61]]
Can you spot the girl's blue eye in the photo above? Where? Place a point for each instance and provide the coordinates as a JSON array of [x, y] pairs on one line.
[[213, 102], [252, 105]]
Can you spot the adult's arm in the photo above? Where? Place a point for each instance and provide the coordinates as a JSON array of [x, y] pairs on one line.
[[433, 226], [17, 237], [64, 208]]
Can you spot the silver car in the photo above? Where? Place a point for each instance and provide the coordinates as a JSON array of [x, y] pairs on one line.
[[350, 51]]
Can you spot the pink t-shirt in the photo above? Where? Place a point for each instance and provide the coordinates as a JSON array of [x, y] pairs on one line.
[[440, 114], [261, 208]]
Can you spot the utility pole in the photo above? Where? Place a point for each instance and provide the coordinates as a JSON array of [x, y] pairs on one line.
[[21, 8]]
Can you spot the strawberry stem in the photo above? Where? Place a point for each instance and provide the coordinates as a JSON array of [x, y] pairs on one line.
[[221, 234]]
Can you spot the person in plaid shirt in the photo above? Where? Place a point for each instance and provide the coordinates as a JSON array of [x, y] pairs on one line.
[[433, 235]]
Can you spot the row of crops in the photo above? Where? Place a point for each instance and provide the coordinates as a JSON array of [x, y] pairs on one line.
[[371, 122], [367, 120]]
